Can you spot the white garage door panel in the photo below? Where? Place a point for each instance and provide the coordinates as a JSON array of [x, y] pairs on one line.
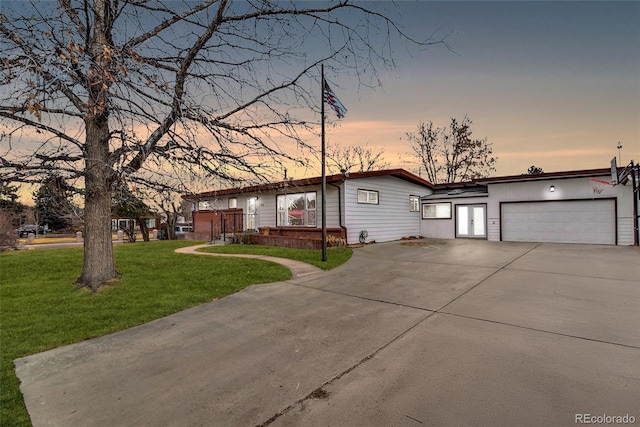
[[584, 221]]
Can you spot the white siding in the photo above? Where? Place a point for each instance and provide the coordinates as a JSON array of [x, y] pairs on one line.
[[333, 216], [389, 220], [266, 215], [446, 228], [625, 231], [532, 191], [570, 189]]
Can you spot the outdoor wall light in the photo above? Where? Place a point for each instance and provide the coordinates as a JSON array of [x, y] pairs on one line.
[[552, 188]]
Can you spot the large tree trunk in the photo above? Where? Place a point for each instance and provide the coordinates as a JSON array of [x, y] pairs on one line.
[[98, 265], [143, 229]]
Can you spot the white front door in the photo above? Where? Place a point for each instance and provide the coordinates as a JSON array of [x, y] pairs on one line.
[[471, 221], [252, 212]]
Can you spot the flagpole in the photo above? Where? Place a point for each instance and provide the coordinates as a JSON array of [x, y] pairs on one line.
[[324, 175]]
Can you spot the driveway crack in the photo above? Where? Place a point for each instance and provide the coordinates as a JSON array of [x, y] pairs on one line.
[[320, 391]]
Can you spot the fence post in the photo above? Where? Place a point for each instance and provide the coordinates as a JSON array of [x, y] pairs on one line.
[[224, 228]]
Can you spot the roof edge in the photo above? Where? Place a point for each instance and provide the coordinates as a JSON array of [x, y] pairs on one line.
[[404, 175], [586, 173], [303, 182]]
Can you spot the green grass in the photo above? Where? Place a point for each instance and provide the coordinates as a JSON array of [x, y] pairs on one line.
[[335, 256], [40, 309]]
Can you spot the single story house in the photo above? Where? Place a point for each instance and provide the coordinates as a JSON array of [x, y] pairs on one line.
[[386, 205], [383, 205]]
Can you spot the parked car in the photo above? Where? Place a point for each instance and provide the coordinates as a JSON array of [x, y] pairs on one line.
[[182, 229], [30, 228]]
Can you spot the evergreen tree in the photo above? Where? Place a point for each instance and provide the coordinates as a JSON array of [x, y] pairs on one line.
[[12, 215], [52, 204], [9, 203]]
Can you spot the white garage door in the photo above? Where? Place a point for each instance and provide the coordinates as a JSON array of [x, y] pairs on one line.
[[582, 221]]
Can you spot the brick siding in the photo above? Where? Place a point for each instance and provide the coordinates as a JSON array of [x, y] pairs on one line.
[[294, 237]]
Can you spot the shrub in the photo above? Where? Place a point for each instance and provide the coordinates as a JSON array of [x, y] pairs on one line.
[[333, 241]]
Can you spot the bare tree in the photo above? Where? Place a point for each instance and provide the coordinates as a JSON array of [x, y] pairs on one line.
[[450, 154], [356, 158], [108, 90], [170, 212], [126, 204], [166, 200], [186, 209]]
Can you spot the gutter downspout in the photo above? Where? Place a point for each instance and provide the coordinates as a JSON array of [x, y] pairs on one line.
[[340, 209], [636, 196]]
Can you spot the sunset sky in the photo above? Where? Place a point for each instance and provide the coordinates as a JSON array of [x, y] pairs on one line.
[[548, 83], [551, 84]]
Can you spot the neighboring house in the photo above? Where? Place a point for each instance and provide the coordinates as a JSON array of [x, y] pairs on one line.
[[385, 204], [119, 223], [391, 204]]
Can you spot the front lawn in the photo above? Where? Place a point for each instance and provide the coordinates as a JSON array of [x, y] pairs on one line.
[[335, 256], [41, 309]]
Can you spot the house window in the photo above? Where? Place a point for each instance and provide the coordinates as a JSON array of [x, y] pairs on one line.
[[368, 196], [233, 203], [414, 204], [436, 211], [296, 209]]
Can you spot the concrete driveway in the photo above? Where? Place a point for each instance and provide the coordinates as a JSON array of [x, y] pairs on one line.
[[454, 332]]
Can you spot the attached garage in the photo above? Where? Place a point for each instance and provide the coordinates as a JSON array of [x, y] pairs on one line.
[[554, 207], [560, 221]]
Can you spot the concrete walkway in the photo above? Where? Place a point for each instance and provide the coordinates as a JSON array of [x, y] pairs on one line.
[[448, 333], [297, 268]]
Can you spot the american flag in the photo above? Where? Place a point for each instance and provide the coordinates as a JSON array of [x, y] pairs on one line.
[[331, 99]]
